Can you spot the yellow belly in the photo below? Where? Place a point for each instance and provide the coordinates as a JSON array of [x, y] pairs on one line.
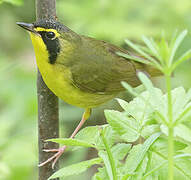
[[58, 79]]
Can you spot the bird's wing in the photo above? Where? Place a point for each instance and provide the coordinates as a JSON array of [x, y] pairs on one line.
[[98, 69]]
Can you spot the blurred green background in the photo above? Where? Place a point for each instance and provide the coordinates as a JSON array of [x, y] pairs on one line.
[[110, 20]]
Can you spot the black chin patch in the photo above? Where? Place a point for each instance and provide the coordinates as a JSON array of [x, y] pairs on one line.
[[53, 46]]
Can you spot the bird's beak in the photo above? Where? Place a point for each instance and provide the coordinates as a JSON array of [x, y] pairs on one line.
[[28, 27]]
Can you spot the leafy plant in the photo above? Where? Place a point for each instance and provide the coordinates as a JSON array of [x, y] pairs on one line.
[[150, 139]]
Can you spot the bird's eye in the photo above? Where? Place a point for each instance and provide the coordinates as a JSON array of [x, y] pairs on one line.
[[50, 35]]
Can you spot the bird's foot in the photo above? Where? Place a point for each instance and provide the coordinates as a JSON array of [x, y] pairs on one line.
[[55, 157]]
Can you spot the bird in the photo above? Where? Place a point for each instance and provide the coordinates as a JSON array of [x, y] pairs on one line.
[[82, 71]]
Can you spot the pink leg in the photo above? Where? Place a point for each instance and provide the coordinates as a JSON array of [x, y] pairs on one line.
[[61, 150]]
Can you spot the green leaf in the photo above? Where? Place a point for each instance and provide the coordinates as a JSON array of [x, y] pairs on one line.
[[178, 101], [137, 154], [160, 165], [164, 50], [149, 130], [129, 88], [120, 150], [136, 48], [183, 112], [180, 131], [88, 134], [145, 104], [161, 145], [145, 80], [75, 169], [126, 127], [180, 169], [133, 159], [110, 135], [184, 57], [101, 174], [140, 169], [123, 104], [177, 43], [151, 46], [155, 94], [142, 107], [183, 115], [183, 164], [183, 132], [107, 163], [134, 58], [173, 38], [142, 52], [71, 142]]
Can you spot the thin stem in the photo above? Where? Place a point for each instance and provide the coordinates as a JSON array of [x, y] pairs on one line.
[[170, 129], [169, 96], [110, 157], [170, 153]]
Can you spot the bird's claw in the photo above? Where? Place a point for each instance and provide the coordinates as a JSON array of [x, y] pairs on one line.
[[55, 157], [51, 150]]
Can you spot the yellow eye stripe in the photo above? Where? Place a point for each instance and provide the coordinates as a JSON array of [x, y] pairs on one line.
[[48, 30]]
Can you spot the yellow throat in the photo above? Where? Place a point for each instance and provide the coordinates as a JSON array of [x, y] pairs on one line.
[[58, 77]]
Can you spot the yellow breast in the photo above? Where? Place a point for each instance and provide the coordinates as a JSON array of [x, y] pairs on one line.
[[59, 80]]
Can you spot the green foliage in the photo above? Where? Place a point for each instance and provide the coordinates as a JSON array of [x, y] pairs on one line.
[[14, 2], [71, 142], [150, 134], [126, 127], [76, 168]]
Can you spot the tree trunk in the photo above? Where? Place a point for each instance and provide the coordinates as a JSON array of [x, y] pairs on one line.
[[48, 121]]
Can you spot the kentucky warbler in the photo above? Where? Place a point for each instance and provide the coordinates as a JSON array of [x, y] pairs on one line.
[[80, 70]]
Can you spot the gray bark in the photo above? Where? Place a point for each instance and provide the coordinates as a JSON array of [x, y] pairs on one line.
[[48, 121]]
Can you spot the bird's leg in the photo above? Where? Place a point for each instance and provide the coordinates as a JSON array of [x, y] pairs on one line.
[[61, 150]]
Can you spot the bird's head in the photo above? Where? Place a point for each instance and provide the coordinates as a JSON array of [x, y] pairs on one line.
[[50, 36]]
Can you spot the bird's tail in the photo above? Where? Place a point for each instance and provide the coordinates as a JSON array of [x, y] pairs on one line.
[[148, 69], [152, 71]]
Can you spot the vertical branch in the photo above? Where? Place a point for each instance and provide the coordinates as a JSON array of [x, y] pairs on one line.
[[48, 122]]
